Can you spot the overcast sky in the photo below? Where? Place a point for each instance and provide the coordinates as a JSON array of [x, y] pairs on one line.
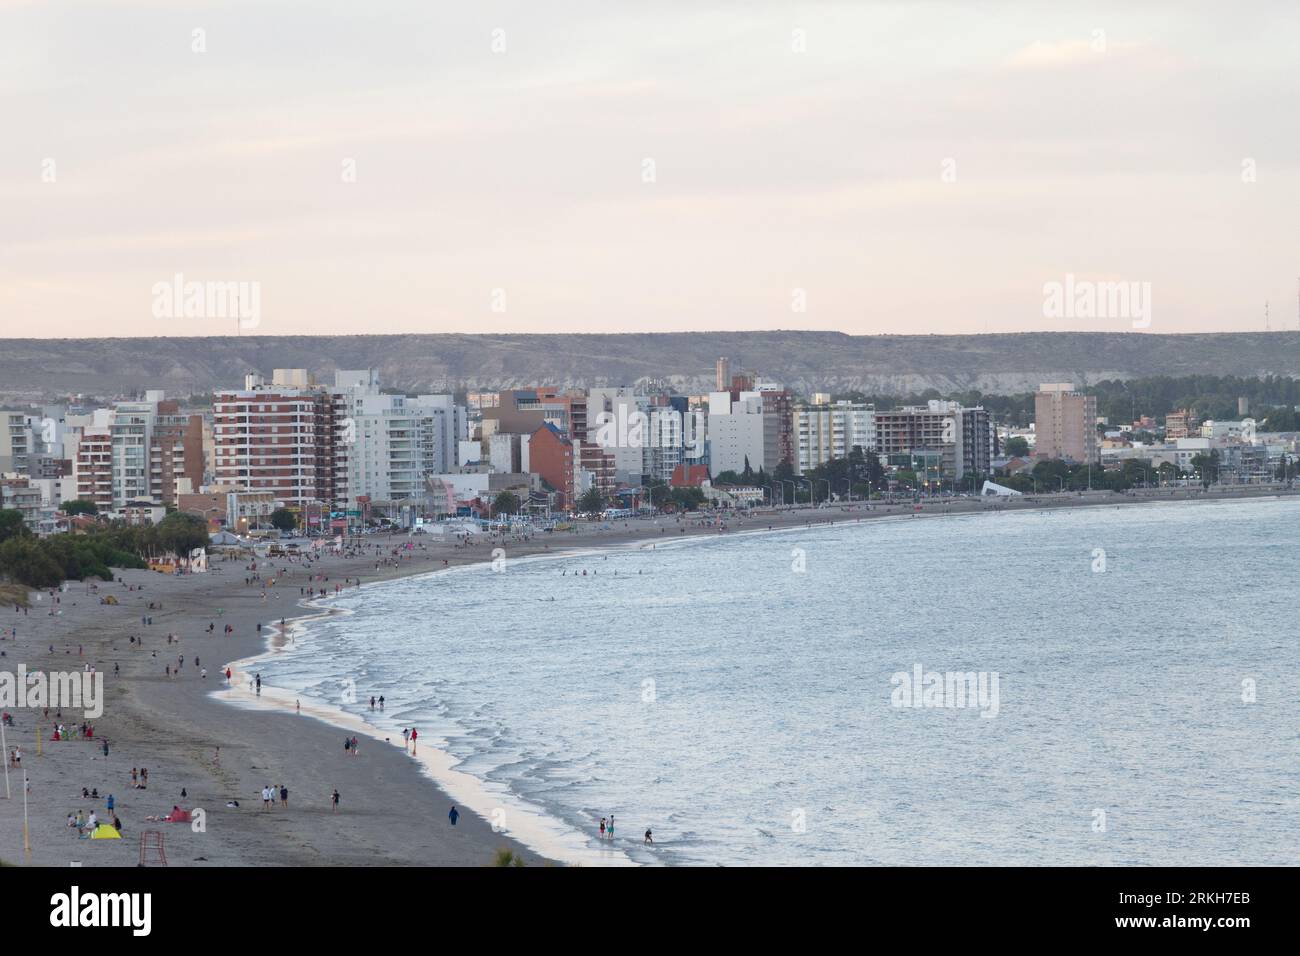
[[424, 166]]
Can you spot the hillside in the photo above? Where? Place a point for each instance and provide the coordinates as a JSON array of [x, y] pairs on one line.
[[806, 361]]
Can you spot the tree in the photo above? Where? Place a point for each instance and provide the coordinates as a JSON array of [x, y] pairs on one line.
[[687, 499], [11, 524], [659, 493], [1017, 447], [79, 507], [505, 504], [592, 501], [282, 519], [27, 561], [181, 533], [1207, 466]]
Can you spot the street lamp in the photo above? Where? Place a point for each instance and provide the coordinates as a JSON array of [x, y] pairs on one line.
[[794, 498]]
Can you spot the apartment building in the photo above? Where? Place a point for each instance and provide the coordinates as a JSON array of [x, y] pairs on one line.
[[28, 444], [551, 456], [144, 451], [618, 422], [278, 439], [1065, 424], [826, 430], [387, 444], [18, 494], [738, 432], [954, 440], [1179, 424]]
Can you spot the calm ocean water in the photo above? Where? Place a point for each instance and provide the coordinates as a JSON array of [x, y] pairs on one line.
[[742, 709]]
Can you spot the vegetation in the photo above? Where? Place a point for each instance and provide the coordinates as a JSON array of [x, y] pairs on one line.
[[79, 507], [48, 562], [11, 594], [591, 501], [858, 474], [1017, 447], [506, 504], [506, 857], [282, 519], [1056, 475]]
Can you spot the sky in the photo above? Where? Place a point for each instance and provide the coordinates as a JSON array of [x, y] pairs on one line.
[[384, 166]]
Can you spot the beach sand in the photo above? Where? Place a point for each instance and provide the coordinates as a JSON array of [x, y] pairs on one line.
[[390, 813]]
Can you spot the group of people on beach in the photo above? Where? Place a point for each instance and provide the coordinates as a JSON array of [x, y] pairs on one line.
[[607, 831]]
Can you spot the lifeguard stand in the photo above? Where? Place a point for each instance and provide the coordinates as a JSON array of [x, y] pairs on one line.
[[151, 848]]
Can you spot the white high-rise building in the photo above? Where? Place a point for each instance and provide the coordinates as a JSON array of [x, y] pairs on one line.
[[824, 431], [618, 421], [736, 432], [387, 444]]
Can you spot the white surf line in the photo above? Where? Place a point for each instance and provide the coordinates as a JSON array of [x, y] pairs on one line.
[[523, 821]]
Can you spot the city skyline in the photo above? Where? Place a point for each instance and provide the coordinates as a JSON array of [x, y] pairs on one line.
[[870, 169]]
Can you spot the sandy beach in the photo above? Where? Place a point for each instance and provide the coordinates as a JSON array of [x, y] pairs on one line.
[[390, 812]]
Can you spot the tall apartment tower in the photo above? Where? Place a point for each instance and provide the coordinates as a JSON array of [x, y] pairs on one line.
[[724, 374], [1065, 424], [278, 439]]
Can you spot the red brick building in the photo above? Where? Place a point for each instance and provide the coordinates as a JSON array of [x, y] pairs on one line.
[[550, 455]]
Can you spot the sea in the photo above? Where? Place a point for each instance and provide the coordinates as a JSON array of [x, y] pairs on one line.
[[1100, 685]]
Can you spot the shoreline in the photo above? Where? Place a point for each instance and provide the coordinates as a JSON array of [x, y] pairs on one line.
[[551, 838], [393, 810]]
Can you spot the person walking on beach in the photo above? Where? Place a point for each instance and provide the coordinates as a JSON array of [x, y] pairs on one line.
[[259, 685], [602, 828], [266, 798], [453, 816], [284, 796], [610, 830], [414, 734], [649, 837], [334, 801]]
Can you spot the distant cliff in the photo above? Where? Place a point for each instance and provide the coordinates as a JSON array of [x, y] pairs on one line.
[[805, 361]]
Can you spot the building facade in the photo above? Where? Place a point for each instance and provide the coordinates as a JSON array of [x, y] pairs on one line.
[[1065, 424]]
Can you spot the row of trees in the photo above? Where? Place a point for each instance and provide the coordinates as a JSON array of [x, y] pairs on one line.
[[1057, 475], [49, 561]]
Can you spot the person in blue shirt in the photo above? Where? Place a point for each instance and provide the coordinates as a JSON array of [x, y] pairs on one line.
[[453, 816]]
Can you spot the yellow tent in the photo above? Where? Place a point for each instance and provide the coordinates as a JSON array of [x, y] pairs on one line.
[[105, 831]]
